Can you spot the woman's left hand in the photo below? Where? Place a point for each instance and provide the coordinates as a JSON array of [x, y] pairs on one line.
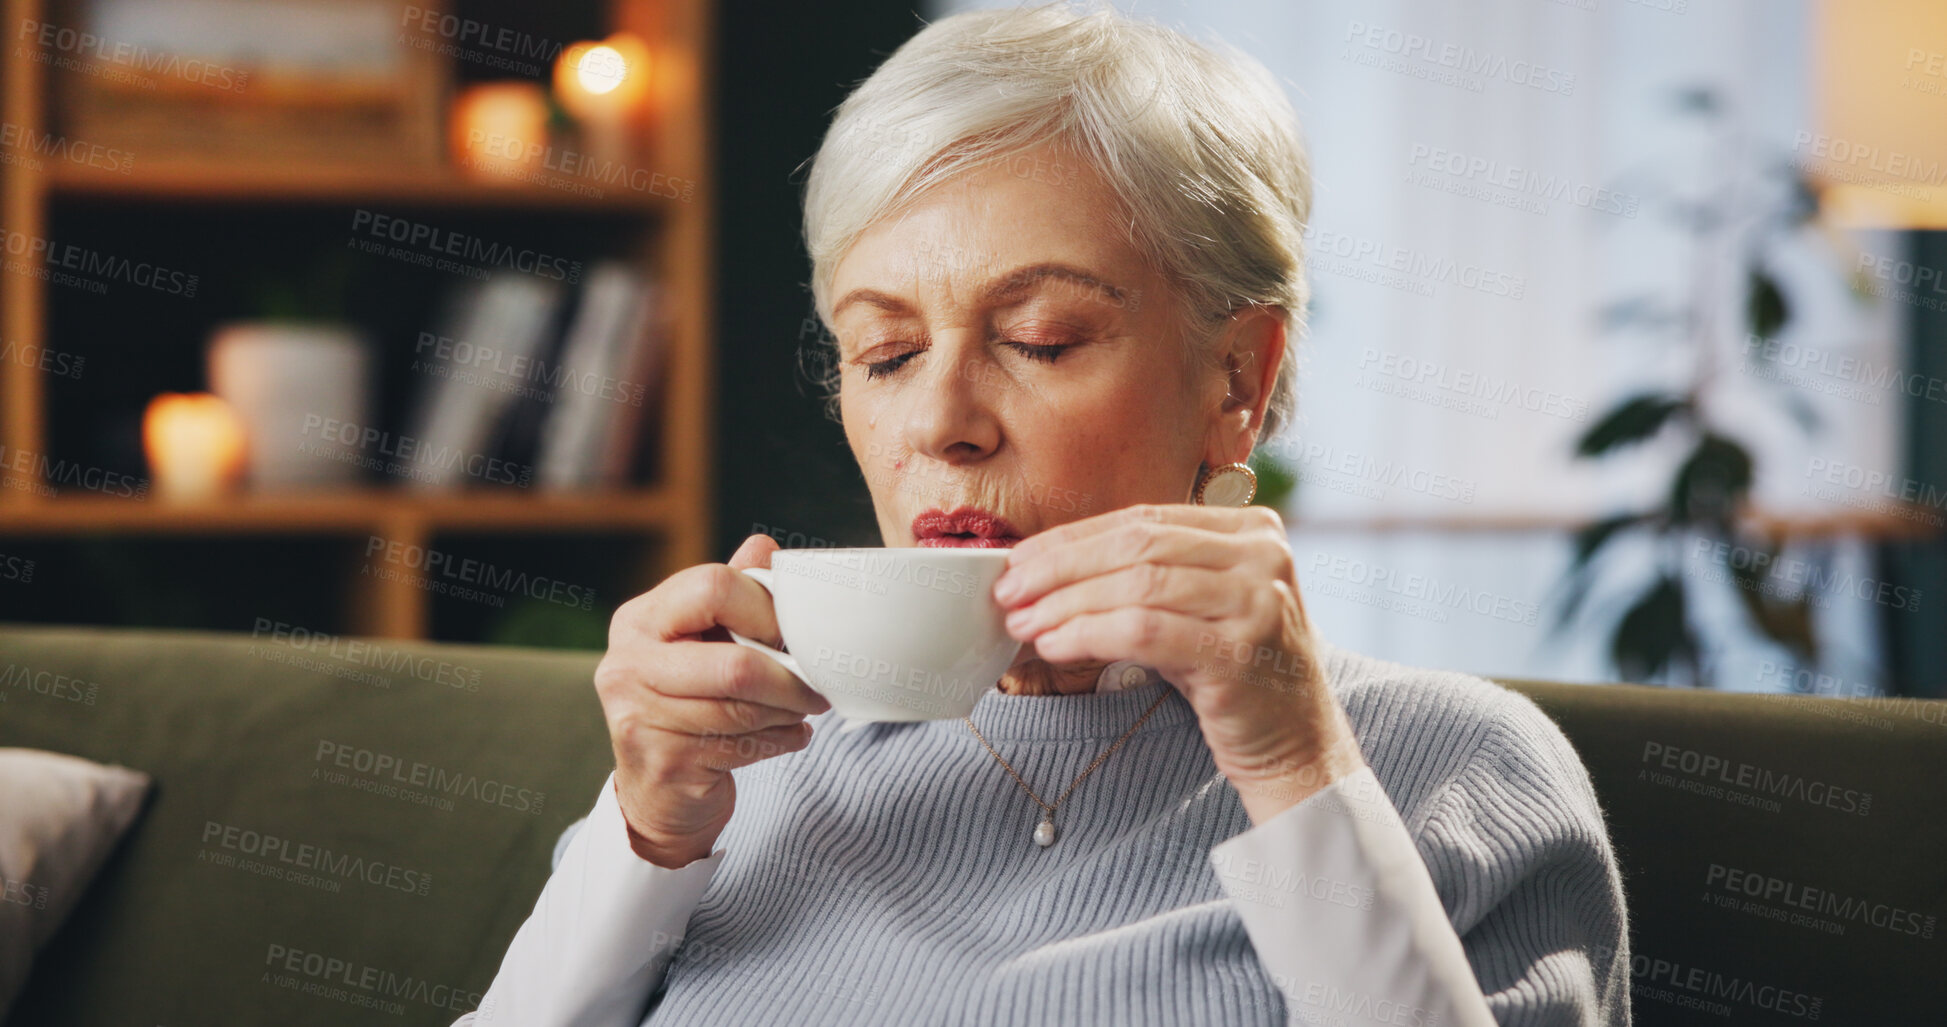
[[1209, 597]]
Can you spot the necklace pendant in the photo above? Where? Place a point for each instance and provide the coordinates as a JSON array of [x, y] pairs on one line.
[[1044, 832]]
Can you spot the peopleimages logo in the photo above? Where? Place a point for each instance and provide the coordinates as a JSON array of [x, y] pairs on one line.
[[1404, 267], [571, 168], [274, 850], [431, 242], [368, 654], [1907, 167], [444, 570], [91, 268], [1424, 588], [40, 358], [1845, 367], [1322, 463], [1705, 767], [464, 361], [1522, 181], [1814, 581], [1821, 901], [1473, 385], [50, 684], [1459, 60], [1669, 981], [59, 148], [1338, 1003], [16, 568], [370, 981], [73, 50], [424, 775], [43, 475], [450, 35], [22, 893], [877, 568], [408, 455]]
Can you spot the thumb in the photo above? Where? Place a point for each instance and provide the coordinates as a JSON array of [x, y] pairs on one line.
[[755, 552]]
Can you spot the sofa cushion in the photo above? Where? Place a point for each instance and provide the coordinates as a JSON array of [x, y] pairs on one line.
[[341, 831], [61, 818]]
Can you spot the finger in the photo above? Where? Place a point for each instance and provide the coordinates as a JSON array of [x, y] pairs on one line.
[[1156, 638], [1209, 518], [1128, 543], [712, 717], [728, 752], [1192, 591], [755, 552], [726, 670], [696, 599], [678, 762]]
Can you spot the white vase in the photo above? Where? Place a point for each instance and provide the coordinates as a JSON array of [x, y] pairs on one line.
[[301, 391]]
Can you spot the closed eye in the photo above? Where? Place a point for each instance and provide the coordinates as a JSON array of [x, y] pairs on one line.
[[1033, 351], [881, 368]]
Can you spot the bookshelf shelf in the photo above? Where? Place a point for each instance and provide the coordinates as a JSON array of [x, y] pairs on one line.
[[303, 185], [346, 512], [664, 228]]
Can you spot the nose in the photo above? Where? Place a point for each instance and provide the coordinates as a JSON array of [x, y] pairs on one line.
[[951, 417]]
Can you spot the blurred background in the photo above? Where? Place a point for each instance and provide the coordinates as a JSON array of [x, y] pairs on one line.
[[469, 320]]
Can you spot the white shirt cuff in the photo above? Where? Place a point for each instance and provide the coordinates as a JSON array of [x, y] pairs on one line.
[[601, 934], [1344, 915]]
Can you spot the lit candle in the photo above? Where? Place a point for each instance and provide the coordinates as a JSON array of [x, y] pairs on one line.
[[603, 85], [500, 129], [195, 445]]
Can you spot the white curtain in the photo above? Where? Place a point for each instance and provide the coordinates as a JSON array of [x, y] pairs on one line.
[[1490, 177]]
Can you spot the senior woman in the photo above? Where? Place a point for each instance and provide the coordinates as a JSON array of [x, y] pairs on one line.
[[1062, 259]]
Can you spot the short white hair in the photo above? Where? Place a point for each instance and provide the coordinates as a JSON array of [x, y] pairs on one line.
[[1198, 143]]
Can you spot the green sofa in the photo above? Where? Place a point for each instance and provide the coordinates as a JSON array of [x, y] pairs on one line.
[[348, 832]]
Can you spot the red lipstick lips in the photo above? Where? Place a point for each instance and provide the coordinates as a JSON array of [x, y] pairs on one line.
[[965, 528]]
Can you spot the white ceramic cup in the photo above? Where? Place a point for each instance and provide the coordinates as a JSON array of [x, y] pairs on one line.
[[890, 634]]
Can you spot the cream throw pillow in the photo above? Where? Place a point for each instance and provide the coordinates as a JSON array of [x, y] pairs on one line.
[[60, 817]]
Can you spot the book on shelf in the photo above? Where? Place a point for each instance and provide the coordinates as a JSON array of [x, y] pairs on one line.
[[486, 341], [641, 375], [516, 438], [583, 442], [539, 385]]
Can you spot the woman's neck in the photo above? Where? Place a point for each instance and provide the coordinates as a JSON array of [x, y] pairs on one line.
[[1039, 677]]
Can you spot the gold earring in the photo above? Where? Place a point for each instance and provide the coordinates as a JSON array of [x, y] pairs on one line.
[[1229, 485]]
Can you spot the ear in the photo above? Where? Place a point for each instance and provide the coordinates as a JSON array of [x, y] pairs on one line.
[[1253, 348]]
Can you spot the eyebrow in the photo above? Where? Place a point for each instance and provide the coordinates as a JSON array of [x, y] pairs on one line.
[[1008, 286]]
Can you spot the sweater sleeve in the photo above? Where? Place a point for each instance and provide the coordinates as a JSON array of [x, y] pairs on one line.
[[601, 934], [1504, 907], [1518, 849]]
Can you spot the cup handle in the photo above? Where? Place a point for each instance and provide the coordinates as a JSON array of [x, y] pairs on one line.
[[762, 575]]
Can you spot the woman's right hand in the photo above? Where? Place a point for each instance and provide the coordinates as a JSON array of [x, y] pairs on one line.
[[685, 704]]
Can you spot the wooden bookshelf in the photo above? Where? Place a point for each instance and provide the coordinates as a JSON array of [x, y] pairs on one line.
[[349, 511], [332, 186], [672, 237]]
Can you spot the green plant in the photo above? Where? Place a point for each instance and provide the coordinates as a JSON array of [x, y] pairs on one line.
[[1711, 485], [317, 289], [545, 625], [1275, 481]]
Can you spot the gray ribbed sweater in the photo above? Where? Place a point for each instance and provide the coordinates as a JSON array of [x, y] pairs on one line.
[[885, 874]]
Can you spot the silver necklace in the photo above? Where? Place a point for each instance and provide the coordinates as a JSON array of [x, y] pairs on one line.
[[1044, 832]]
